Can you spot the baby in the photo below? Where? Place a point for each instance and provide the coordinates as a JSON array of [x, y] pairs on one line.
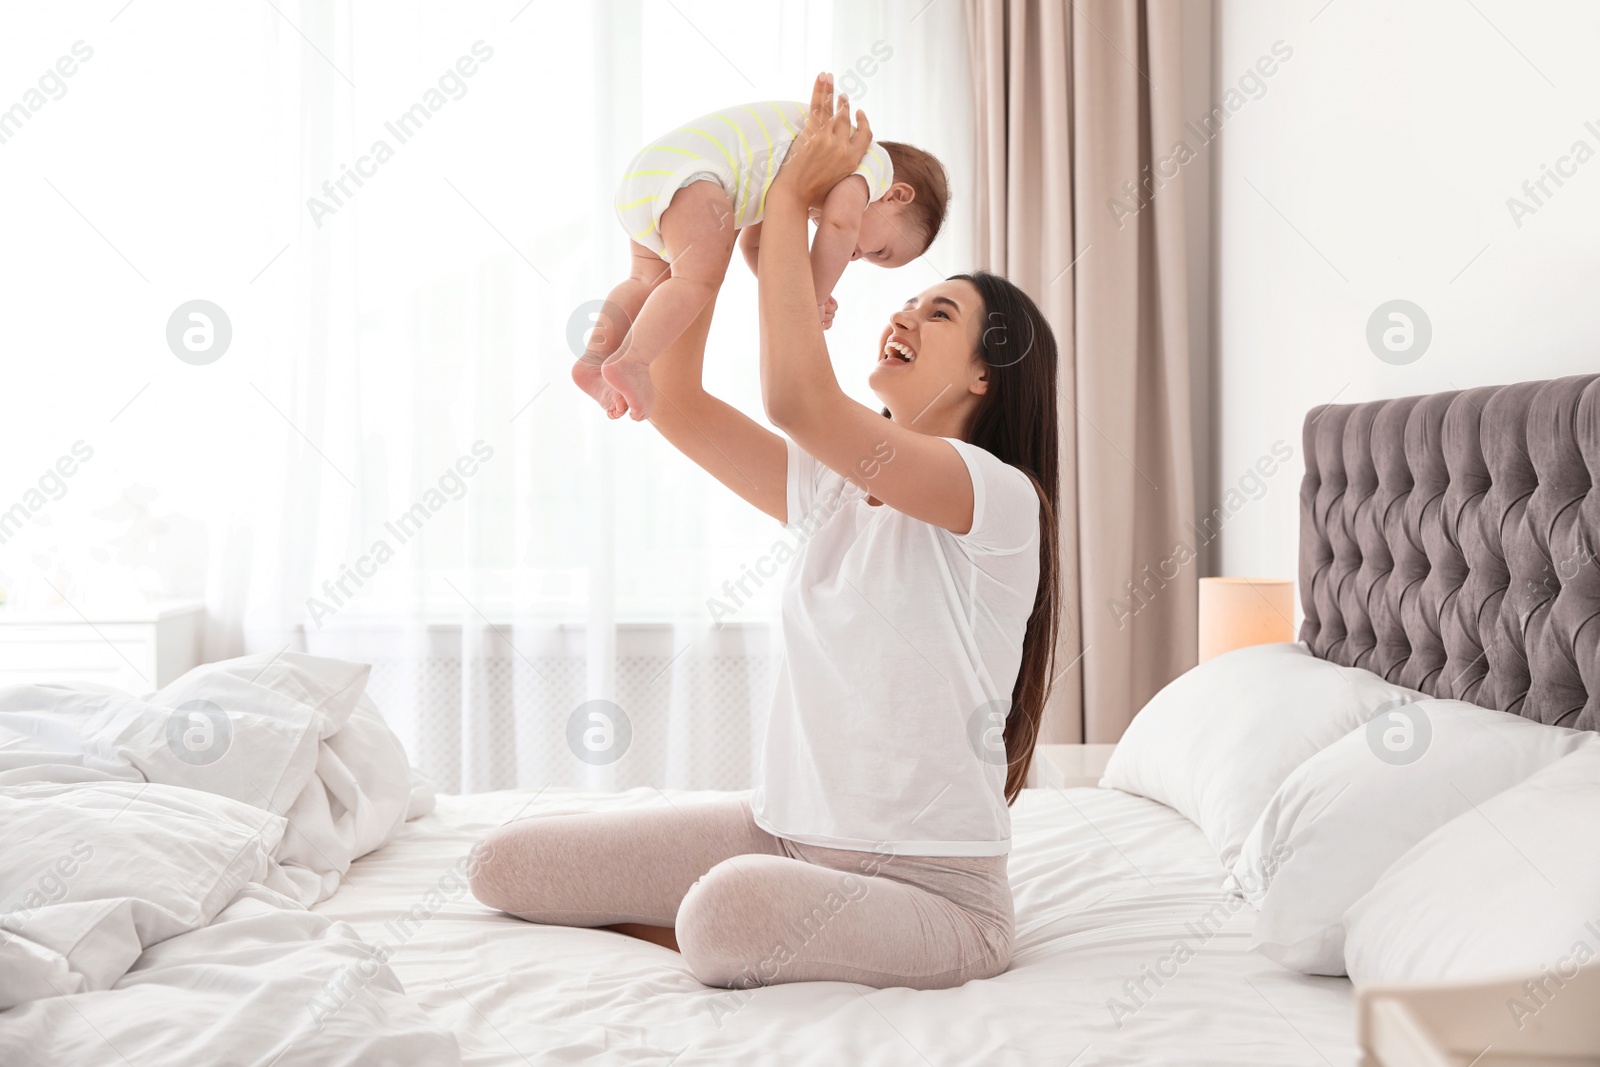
[[685, 195]]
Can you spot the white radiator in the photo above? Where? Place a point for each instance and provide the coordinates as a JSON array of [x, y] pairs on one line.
[[481, 708]]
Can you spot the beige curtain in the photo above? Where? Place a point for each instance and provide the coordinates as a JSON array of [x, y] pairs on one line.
[[1078, 116]]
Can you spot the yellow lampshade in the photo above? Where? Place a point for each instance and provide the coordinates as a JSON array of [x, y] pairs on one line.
[[1235, 612]]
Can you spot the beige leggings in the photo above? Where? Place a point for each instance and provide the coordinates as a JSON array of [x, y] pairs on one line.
[[750, 908]]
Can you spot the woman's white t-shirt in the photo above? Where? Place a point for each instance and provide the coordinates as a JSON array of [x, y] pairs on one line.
[[902, 643]]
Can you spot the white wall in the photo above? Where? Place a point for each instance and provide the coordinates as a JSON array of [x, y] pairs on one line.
[[1375, 165], [1198, 24]]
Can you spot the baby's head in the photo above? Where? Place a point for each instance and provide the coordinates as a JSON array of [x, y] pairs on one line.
[[900, 225]]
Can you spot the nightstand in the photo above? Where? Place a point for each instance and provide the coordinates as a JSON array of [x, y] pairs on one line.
[[137, 648], [1468, 1023], [1068, 766]]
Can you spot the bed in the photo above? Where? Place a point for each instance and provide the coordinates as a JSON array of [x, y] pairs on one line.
[[1447, 551], [1105, 884]]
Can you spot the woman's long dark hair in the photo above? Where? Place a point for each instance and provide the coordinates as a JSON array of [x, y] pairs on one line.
[[1016, 421]]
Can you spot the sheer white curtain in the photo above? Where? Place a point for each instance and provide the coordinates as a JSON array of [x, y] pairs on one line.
[[405, 209]]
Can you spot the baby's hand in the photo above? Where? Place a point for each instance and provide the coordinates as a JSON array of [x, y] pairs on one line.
[[826, 310]]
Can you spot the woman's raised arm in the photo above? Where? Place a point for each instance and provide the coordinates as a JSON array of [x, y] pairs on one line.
[[927, 478], [731, 446]]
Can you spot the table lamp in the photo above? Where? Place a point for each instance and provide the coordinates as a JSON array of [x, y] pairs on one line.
[[1235, 612]]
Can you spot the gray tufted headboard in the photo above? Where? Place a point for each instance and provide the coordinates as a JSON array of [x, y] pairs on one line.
[[1451, 544]]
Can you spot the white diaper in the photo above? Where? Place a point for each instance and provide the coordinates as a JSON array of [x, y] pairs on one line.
[[640, 204]]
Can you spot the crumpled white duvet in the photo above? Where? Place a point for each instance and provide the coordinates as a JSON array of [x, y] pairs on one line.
[[266, 982], [158, 855], [301, 740]]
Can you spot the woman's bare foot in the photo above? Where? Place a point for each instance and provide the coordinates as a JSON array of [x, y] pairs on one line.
[[631, 379], [587, 377], [665, 936]]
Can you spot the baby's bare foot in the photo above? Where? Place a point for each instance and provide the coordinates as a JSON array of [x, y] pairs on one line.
[[587, 377], [631, 379]]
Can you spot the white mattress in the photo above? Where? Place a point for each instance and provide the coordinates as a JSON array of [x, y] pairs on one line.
[[1107, 886]]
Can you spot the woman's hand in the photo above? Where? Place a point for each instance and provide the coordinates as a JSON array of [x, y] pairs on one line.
[[826, 151]]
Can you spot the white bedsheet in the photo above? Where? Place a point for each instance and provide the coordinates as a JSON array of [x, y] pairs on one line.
[[1110, 889]]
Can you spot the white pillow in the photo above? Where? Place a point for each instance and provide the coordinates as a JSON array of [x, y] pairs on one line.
[[1344, 815], [242, 729], [1508, 889], [1219, 739], [309, 744], [280, 705], [266, 681]]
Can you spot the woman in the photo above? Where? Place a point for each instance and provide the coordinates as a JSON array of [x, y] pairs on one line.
[[918, 624]]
